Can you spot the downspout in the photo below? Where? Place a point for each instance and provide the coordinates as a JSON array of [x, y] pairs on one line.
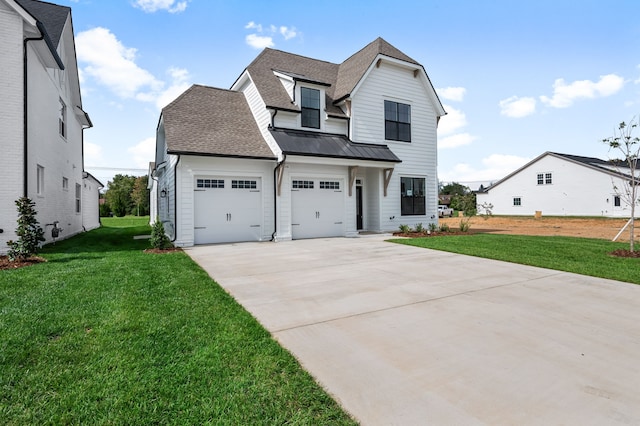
[[25, 118], [175, 200], [275, 196]]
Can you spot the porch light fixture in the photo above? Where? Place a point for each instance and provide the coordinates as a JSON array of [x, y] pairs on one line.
[[163, 193]]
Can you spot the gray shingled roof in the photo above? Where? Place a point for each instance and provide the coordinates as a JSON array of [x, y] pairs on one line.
[[298, 142], [53, 17], [209, 121], [342, 78]]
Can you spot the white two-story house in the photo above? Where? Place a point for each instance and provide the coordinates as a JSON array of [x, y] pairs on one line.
[[42, 121], [301, 148]]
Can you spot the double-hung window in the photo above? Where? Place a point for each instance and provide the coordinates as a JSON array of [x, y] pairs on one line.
[[412, 196], [397, 121], [310, 103]]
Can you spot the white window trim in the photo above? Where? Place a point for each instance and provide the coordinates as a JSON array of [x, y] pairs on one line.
[[40, 181], [323, 106]]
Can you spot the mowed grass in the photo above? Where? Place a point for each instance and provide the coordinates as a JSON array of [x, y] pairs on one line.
[[103, 333], [579, 255]]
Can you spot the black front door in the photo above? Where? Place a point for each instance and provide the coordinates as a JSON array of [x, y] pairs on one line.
[[359, 208]]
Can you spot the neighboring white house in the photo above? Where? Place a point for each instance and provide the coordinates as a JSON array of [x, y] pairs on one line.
[[301, 148], [91, 202], [41, 119], [560, 185]]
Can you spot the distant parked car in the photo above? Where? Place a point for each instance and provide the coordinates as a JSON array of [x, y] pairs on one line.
[[444, 211]]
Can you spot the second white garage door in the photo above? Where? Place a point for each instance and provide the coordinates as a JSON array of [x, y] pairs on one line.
[[227, 210], [317, 208]]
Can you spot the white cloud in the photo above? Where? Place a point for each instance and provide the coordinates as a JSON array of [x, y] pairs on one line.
[[288, 33], [105, 59], [171, 6], [565, 94], [454, 141], [264, 36], [112, 64], [452, 93], [179, 83], [452, 122], [253, 26], [490, 169], [516, 107], [259, 42], [143, 152]]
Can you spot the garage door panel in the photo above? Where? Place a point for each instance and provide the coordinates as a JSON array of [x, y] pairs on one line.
[[227, 210], [317, 208]]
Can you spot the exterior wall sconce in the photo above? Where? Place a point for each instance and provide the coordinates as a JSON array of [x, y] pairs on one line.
[[163, 193]]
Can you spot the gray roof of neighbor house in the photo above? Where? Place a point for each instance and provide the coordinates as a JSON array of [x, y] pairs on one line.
[[340, 79], [217, 122], [52, 16], [297, 142]]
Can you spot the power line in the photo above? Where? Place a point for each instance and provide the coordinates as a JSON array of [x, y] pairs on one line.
[[128, 169]]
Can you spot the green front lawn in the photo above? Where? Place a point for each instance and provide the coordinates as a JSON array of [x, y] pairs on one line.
[[103, 333], [579, 255]]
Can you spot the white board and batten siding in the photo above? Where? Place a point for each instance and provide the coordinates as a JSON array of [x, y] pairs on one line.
[[260, 113], [575, 190], [419, 157]]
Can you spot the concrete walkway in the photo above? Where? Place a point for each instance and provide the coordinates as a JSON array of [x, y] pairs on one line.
[[406, 336]]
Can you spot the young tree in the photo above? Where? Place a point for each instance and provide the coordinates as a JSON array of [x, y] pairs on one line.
[[140, 195], [159, 239], [623, 141], [29, 232]]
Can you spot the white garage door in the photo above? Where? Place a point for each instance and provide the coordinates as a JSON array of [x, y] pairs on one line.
[[227, 209], [317, 208]]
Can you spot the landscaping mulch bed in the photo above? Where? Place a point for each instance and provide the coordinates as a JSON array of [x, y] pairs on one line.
[[163, 251], [625, 253], [5, 263]]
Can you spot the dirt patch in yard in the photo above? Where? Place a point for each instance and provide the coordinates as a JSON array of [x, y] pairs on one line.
[[603, 228], [5, 263]]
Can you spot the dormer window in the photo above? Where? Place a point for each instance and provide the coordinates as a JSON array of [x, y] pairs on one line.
[[310, 103]]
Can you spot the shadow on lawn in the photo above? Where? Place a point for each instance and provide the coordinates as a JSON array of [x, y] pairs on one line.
[[100, 240]]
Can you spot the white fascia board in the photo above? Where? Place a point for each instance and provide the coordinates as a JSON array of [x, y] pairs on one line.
[[329, 161], [240, 81], [26, 16]]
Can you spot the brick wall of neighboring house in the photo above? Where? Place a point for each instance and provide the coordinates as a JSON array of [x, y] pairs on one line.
[[11, 119]]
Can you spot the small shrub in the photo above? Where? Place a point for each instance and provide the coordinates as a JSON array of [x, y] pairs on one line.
[[29, 232], [444, 227], [159, 239], [405, 229], [464, 225], [433, 227], [419, 228]]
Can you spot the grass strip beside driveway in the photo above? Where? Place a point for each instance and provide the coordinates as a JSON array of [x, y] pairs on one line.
[[103, 333], [578, 255]]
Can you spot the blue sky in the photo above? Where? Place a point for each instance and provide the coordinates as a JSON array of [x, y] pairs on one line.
[[517, 78]]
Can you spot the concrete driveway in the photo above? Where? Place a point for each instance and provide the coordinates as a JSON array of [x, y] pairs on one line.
[[408, 336]]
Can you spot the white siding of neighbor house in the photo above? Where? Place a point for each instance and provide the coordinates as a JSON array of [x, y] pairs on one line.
[[576, 190], [11, 118], [192, 166], [419, 157], [61, 157], [90, 203]]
